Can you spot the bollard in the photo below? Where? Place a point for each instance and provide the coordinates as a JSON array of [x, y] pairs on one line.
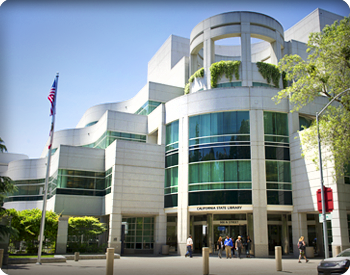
[[205, 255], [1, 256], [76, 256], [110, 261], [278, 256]]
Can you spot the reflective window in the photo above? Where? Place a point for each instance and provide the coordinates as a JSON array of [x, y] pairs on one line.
[[171, 164], [277, 155], [220, 197], [304, 122], [219, 155], [139, 232], [147, 108], [109, 136]]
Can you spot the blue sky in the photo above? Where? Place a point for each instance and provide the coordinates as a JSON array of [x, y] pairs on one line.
[[101, 50]]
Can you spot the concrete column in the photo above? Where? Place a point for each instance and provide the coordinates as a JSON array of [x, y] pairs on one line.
[[182, 210], [62, 235], [299, 225], [285, 235], [208, 55], [160, 233], [247, 74], [193, 64], [260, 238], [162, 128], [115, 226], [339, 227]]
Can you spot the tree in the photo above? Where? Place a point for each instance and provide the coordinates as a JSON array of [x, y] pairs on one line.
[[6, 187], [326, 73], [84, 229], [28, 221]]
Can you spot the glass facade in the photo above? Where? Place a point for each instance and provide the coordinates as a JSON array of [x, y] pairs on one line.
[[229, 84], [147, 108], [171, 164], [219, 159], [260, 84], [109, 136], [91, 123], [139, 232], [67, 182], [304, 122], [277, 159], [86, 183]]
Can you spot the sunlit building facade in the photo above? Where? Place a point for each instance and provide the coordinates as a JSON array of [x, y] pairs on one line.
[[217, 157]]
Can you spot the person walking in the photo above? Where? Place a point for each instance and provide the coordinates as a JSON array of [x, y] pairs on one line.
[[219, 247], [238, 246], [248, 246], [228, 246], [189, 244], [301, 246]]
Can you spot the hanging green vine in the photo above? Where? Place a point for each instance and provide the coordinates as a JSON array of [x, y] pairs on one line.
[[198, 74], [224, 67], [269, 72]]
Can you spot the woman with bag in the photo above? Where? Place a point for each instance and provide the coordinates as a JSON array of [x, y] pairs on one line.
[[301, 246]]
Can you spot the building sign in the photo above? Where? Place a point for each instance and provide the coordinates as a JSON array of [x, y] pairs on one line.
[[220, 208]]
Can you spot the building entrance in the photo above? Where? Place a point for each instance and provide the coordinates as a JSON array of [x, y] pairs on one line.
[[233, 231]]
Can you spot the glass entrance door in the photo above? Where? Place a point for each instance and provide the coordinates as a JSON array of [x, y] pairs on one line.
[[232, 231]]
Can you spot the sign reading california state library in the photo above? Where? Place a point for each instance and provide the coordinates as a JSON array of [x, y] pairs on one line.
[[220, 208]]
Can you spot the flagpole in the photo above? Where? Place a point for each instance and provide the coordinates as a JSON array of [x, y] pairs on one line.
[[42, 225]]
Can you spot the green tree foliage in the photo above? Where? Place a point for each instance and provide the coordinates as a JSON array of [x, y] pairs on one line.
[[89, 227], [326, 73], [28, 221], [6, 187], [85, 230]]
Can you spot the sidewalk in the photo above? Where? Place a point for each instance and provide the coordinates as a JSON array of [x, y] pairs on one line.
[[172, 265]]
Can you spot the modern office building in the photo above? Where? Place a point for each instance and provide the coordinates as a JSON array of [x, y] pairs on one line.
[[217, 157]]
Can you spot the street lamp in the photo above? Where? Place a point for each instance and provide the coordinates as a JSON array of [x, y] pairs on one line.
[[325, 235]]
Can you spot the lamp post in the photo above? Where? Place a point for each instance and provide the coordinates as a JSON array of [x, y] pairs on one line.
[[325, 234]]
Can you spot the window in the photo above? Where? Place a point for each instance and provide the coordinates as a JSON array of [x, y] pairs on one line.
[[277, 155], [219, 158], [171, 164], [139, 232], [304, 122]]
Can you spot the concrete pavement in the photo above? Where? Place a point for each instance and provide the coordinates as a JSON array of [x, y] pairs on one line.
[[170, 265]]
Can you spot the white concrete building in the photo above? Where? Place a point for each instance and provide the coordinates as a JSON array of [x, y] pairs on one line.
[[223, 159]]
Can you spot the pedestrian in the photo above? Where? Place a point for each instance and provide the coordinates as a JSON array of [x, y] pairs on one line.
[[238, 246], [301, 246], [189, 244], [248, 246], [228, 246], [219, 247]]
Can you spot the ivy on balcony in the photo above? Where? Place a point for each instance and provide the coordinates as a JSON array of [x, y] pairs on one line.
[[198, 74], [224, 67]]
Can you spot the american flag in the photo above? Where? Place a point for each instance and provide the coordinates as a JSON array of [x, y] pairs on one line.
[[52, 96]]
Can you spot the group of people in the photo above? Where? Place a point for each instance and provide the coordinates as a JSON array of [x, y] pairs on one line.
[[232, 246]]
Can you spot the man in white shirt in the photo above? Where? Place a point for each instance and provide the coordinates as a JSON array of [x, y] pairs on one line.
[[189, 244]]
